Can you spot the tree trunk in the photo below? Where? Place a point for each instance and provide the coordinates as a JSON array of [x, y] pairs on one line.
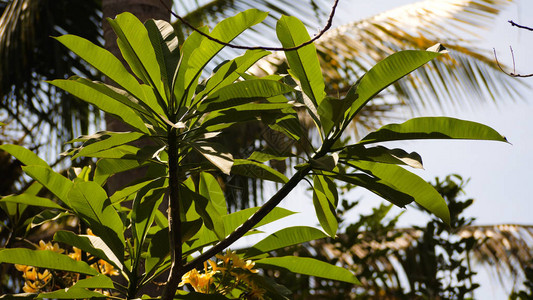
[[144, 10]]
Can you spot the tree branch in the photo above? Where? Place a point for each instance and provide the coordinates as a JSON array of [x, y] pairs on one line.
[[512, 74], [251, 222], [316, 37], [520, 26]]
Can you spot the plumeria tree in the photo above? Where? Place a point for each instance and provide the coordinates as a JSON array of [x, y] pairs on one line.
[[162, 99]]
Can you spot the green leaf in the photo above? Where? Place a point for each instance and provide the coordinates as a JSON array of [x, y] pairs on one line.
[[433, 128], [103, 98], [31, 200], [54, 182], [224, 31], [216, 155], [45, 259], [166, 46], [103, 61], [71, 293], [146, 202], [331, 111], [383, 155], [303, 62], [308, 266], [158, 249], [386, 72], [379, 187], [406, 182], [97, 282], [243, 92], [210, 189], [284, 238], [90, 244], [90, 202], [254, 169], [230, 70], [105, 168], [24, 155], [325, 200], [136, 48], [105, 141], [234, 220]]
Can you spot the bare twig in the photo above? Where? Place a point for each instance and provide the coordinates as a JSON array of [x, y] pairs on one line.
[[512, 74], [316, 37], [520, 26]]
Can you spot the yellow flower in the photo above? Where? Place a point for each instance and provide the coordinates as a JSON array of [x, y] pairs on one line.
[[106, 268], [30, 274], [245, 265], [76, 255], [199, 282], [215, 267], [22, 268], [230, 255], [50, 246], [30, 287]]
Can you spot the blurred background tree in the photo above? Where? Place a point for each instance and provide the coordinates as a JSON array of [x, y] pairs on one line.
[[433, 261]]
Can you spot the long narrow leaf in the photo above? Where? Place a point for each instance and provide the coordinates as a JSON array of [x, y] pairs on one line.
[[45, 259], [308, 266], [406, 182], [433, 128]]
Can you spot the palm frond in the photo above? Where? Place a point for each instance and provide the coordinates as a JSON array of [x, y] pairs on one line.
[[504, 250], [29, 56]]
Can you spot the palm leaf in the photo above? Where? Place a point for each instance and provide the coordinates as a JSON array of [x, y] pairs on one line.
[[29, 56]]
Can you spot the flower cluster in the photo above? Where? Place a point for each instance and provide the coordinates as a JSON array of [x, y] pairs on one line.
[[38, 280], [230, 276]]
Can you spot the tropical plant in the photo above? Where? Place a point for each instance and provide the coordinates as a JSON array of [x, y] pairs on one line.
[[29, 56], [183, 117]]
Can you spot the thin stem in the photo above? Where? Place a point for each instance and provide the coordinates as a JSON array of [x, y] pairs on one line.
[[174, 221]]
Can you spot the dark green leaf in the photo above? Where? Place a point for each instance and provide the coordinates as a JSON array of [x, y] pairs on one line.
[[71, 293], [243, 92], [91, 92]]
